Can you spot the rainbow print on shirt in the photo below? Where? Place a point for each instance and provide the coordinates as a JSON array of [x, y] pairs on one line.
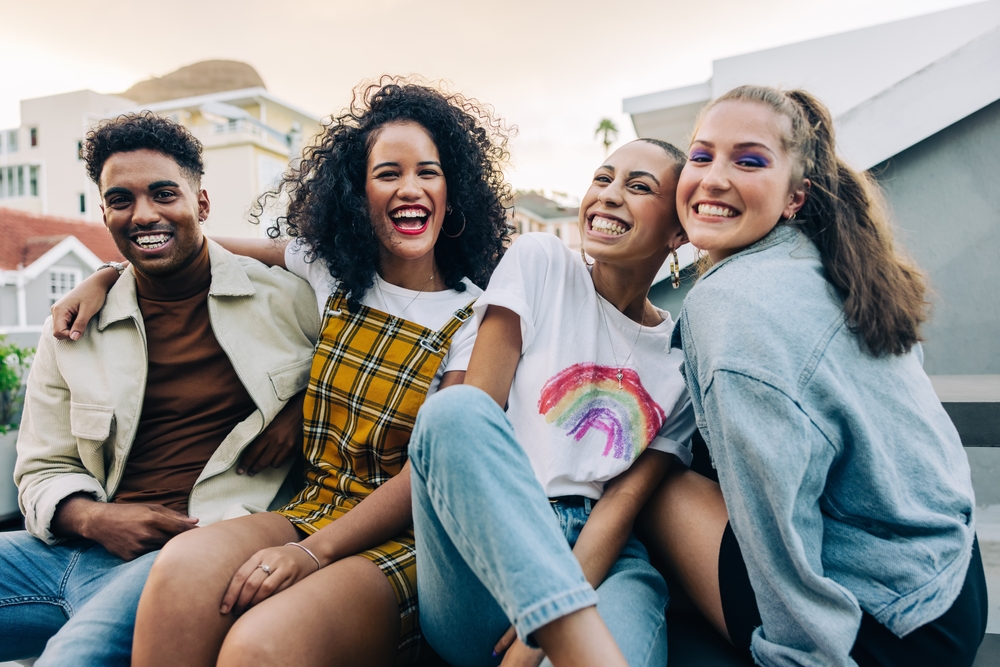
[[586, 396]]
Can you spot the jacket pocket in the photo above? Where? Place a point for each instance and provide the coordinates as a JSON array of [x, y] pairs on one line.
[[291, 379], [91, 426]]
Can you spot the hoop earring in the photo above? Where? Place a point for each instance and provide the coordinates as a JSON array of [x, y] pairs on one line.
[[455, 236], [790, 218], [583, 256], [675, 270]]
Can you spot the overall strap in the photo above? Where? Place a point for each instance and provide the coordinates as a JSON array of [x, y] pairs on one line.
[[444, 334]]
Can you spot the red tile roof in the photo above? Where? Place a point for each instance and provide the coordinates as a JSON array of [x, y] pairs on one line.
[[24, 237]]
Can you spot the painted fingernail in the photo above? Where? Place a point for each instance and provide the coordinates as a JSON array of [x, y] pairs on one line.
[[75, 335], [495, 654], [240, 471]]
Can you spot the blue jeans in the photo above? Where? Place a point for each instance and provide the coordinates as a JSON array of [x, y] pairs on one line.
[[74, 601], [491, 551]]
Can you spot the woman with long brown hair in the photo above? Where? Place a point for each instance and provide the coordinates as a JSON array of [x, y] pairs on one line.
[[841, 529]]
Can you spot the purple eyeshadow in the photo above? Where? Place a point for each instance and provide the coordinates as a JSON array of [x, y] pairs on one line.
[[756, 160], [699, 154]]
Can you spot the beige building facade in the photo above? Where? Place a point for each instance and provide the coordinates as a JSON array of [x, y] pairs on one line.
[[250, 138]]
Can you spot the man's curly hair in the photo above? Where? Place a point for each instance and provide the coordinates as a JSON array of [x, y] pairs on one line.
[[145, 130], [327, 201]]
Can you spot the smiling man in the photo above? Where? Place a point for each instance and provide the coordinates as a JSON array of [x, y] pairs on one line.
[[141, 428]]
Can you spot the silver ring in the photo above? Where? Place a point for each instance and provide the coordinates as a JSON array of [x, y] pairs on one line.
[[265, 567]]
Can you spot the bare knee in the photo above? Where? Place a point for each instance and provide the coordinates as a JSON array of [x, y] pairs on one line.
[[248, 644]]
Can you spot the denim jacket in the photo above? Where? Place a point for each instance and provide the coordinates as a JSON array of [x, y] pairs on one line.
[[845, 480]]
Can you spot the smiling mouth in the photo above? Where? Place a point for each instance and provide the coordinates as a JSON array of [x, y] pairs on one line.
[[608, 226], [715, 210], [151, 241], [410, 220]]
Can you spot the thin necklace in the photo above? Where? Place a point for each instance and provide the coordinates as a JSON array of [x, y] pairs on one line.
[[621, 367], [385, 304]]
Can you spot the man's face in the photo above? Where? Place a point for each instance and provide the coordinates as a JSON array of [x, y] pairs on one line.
[[153, 212]]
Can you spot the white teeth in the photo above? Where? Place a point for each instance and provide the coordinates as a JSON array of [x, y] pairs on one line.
[[718, 211], [409, 213], [152, 240], [607, 226]]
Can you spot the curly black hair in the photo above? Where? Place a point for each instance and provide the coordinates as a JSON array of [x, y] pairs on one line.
[[133, 132], [328, 206]]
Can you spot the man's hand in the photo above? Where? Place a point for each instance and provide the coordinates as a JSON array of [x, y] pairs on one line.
[[281, 439], [126, 530]]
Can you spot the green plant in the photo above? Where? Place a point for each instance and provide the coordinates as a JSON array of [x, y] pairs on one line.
[[608, 128], [14, 363]]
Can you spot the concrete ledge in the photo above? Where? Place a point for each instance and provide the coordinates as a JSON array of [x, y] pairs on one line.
[[973, 403]]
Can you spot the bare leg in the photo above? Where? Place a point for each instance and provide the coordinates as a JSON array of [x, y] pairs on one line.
[[345, 614], [682, 524], [580, 639], [178, 621]]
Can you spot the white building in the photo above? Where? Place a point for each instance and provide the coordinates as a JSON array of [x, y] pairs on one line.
[[42, 258], [249, 136]]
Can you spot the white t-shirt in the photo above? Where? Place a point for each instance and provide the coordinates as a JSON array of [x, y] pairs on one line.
[[578, 428], [428, 309]]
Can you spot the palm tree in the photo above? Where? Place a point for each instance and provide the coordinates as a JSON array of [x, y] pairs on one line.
[[610, 131]]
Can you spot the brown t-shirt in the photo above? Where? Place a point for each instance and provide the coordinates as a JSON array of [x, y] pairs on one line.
[[193, 395]]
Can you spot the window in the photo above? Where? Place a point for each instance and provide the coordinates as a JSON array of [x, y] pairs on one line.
[[20, 181], [11, 141], [33, 181], [83, 202], [33, 133], [61, 281], [8, 182]]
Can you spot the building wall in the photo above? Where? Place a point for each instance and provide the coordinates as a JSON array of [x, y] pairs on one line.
[[8, 305], [945, 196], [231, 181], [62, 121]]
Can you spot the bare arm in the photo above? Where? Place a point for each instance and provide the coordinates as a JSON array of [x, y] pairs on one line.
[[610, 523], [385, 513], [496, 353], [266, 251], [72, 312]]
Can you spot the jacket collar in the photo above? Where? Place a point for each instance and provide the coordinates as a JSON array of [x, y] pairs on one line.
[[780, 234], [229, 278]]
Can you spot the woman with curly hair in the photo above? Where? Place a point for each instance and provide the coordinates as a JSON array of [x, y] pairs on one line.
[[397, 221]]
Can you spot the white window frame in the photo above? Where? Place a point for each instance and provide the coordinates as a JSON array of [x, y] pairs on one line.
[[56, 272]]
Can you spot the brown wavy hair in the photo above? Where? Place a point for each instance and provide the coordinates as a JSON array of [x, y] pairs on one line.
[[883, 290]]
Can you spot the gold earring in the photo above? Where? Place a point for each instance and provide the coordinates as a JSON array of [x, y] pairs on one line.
[[455, 236], [583, 255], [675, 270]]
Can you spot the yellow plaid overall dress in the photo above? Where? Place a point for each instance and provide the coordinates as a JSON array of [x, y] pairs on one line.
[[370, 374]]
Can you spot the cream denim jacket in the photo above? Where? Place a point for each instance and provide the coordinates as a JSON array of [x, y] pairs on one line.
[[84, 398]]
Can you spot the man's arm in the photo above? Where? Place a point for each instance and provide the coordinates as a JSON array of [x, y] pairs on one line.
[[126, 530], [57, 494]]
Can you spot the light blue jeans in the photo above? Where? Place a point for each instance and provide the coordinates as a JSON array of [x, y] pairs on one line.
[[491, 551], [75, 601]]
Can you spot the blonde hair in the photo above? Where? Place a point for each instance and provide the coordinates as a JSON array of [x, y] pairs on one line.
[[844, 214]]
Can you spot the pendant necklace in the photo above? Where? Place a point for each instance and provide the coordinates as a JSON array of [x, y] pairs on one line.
[[385, 304], [620, 373]]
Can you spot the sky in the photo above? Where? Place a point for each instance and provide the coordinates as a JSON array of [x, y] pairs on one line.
[[554, 69]]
